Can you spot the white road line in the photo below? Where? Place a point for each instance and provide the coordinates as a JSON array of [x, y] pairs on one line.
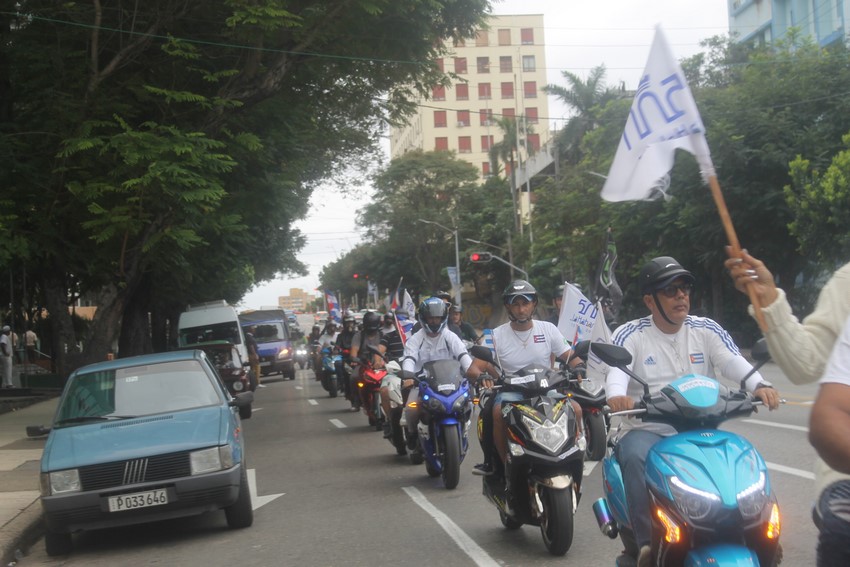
[[589, 466], [780, 425], [299, 388], [464, 542], [312, 402], [338, 423], [788, 470]]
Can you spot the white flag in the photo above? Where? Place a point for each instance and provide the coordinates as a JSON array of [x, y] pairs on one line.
[[663, 118], [577, 315], [597, 370], [408, 305]]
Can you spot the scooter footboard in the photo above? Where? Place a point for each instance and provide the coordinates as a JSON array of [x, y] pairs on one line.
[[615, 493], [721, 554]]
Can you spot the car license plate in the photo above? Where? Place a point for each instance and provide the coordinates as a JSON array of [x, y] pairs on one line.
[[138, 500], [267, 363]]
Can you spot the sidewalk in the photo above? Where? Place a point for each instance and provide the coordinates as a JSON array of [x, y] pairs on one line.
[[20, 456]]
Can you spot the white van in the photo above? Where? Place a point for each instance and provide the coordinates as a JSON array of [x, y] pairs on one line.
[[211, 321]]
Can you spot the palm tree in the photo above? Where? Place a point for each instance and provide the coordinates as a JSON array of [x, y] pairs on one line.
[[585, 98]]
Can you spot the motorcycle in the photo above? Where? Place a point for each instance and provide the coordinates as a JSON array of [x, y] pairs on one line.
[[301, 358], [397, 400], [444, 407], [331, 362], [590, 396], [543, 473], [369, 388], [711, 495]]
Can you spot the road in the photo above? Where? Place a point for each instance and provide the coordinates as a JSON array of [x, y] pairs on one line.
[[331, 491]]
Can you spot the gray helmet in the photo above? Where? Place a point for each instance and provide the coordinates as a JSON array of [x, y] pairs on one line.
[[433, 307], [519, 288], [660, 272]]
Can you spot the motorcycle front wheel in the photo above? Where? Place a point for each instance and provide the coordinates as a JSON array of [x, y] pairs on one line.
[[332, 387], [595, 435], [451, 456], [556, 526]]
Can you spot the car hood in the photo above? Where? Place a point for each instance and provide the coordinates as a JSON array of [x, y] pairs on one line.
[[109, 441]]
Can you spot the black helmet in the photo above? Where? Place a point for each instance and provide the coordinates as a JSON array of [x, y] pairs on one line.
[[349, 318], [389, 317], [456, 309], [559, 292], [371, 321], [433, 307], [660, 272], [519, 288], [316, 328], [444, 295]]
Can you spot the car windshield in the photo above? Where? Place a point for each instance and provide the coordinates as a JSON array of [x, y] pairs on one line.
[[137, 391], [269, 332], [228, 331]]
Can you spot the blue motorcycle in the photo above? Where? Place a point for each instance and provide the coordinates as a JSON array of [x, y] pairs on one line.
[[710, 491], [331, 370], [445, 407]]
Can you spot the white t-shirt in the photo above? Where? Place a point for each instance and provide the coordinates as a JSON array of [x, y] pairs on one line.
[[518, 349], [4, 339], [837, 372], [421, 348], [327, 339]]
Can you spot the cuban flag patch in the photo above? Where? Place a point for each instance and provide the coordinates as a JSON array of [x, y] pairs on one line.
[[539, 338], [697, 358]]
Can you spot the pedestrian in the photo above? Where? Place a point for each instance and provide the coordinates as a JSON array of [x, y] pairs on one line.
[[253, 354], [801, 351], [6, 356], [31, 343], [666, 344]]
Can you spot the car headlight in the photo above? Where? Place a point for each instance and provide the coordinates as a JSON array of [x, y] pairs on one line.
[[694, 503], [60, 482], [283, 353], [211, 460], [751, 501], [550, 436]]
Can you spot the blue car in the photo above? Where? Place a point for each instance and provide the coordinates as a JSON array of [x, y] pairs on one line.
[[143, 439]]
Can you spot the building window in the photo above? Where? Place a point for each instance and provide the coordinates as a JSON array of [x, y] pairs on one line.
[[531, 115], [463, 118], [533, 142], [462, 91], [464, 144], [440, 65], [484, 92], [506, 64], [439, 93], [483, 64], [485, 169], [486, 143], [507, 90], [486, 116], [439, 119], [482, 39], [460, 65], [528, 63], [504, 37], [508, 113], [441, 144], [526, 36], [529, 89]]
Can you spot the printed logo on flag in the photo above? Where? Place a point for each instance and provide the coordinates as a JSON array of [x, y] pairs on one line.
[[539, 338], [697, 358]]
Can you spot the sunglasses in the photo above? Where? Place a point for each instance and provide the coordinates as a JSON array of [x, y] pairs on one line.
[[673, 290]]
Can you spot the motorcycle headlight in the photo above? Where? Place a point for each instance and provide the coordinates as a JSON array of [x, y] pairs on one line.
[[459, 406], [64, 481], [550, 436], [238, 385], [694, 503], [433, 404], [751, 501]]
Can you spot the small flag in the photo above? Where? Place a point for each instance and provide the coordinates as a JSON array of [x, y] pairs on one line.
[[577, 314]]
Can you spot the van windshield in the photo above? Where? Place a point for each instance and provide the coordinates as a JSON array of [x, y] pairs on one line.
[[228, 331], [270, 332]]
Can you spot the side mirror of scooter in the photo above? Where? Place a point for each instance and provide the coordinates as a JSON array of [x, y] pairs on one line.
[[761, 355], [482, 353], [618, 357], [580, 350]]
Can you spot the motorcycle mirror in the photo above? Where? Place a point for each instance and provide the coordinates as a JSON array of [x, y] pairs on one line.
[[618, 357], [482, 352], [761, 355], [581, 349]]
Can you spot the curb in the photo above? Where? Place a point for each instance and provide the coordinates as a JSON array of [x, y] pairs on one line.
[[21, 532]]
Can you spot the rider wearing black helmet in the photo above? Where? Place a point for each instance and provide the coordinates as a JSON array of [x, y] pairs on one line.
[[520, 342], [344, 341]]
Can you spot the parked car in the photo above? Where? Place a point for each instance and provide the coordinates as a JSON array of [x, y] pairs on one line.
[[232, 370], [142, 439]]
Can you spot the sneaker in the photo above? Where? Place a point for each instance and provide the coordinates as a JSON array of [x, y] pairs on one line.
[[483, 469], [645, 557], [261, 385], [388, 432]]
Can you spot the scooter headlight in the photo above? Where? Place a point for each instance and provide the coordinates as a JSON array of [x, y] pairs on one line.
[[694, 503], [550, 436], [751, 501]]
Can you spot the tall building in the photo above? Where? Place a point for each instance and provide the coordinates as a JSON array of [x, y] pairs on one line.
[[297, 300], [763, 21], [501, 72]]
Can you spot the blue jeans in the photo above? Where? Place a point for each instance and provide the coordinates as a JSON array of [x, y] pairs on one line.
[[631, 453], [832, 517]]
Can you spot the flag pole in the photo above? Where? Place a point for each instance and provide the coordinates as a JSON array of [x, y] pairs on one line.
[[735, 245]]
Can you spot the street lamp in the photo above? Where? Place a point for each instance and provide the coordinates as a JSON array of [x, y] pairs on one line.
[[457, 256]]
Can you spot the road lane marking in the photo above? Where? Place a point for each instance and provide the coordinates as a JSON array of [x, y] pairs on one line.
[[781, 425], [338, 423], [299, 388], [796, 472], [259, 501], [312, 402], [463, 541], [588, 467]]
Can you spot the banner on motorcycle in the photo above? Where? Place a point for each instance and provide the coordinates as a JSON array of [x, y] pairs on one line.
[[663, 118], [577, 315], [333, 306], [597, 370]]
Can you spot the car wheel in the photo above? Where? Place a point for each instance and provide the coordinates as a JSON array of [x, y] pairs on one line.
[[241, 514], [246, 411], [57, 544]]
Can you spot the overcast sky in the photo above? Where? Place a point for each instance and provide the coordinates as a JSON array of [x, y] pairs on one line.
[[579, 35]]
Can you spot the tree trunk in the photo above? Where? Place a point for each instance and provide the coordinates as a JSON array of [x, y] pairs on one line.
[[63, 339], [135, 338]]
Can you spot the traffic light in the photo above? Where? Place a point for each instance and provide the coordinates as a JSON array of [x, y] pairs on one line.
[[355, 276], [480, 257]]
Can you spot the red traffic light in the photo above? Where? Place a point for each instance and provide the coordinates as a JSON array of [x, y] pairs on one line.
[[478, 257], [355, 276]]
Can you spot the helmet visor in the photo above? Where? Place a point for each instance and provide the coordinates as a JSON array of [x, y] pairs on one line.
[[528, 297]]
